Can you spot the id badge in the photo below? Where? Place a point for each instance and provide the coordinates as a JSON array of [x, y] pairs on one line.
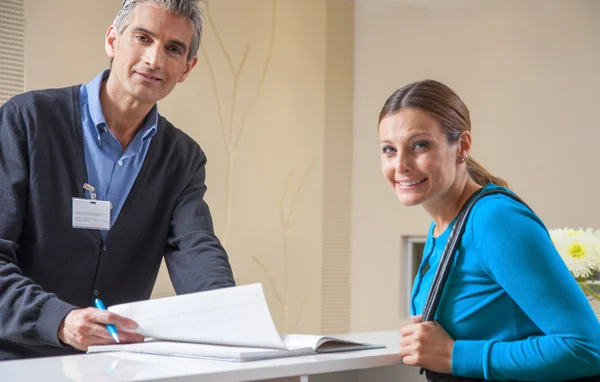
[[91, 214]]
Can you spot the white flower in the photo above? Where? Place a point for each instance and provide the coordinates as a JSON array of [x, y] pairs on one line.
[[579, 249]]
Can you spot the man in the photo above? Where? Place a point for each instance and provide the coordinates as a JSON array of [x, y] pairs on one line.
[[96, 187]]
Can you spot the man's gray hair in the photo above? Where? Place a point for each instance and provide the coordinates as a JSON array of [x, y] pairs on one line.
[[186, 8]]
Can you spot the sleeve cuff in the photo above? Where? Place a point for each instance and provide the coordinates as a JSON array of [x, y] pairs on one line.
[[51, 315], [467, 358]]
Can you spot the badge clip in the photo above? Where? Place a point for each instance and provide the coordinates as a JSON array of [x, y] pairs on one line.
[[91, 189]]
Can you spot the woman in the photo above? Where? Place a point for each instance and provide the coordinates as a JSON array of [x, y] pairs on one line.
[[510, 309]]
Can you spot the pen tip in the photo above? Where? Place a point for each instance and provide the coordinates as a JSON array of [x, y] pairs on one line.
[[115, 336]]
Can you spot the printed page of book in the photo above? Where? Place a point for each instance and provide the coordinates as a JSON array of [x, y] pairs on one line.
[[298, 341], [323, 344], [235, 316]]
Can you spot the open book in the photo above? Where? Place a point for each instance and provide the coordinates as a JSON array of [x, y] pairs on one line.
[[232, 324]]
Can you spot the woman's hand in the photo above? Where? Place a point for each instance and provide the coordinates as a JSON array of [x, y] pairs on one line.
[[426, 344]]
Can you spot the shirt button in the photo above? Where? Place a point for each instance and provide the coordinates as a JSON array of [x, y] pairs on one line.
[[120, 163], [96, 292], [104, 248]]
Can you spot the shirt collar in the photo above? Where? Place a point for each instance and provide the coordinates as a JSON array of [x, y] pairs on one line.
[[150, 124], [93, 98]]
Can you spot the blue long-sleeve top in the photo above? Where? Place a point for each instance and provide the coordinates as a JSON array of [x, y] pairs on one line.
[[510, 303]]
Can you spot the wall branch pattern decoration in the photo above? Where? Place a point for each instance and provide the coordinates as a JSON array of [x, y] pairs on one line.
[[288, 220], [232, 134]]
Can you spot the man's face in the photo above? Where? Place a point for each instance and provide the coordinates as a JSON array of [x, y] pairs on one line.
[[150, 56]]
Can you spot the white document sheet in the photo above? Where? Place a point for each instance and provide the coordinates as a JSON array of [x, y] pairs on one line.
[[236, 316]]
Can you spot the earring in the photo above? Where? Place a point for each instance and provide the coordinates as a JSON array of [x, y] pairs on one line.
[[462, 160]]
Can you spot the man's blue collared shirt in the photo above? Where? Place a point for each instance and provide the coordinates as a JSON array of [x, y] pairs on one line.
[[111, 171]]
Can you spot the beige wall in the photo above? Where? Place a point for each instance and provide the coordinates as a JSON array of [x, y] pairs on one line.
[[529, 72], [256, 103]]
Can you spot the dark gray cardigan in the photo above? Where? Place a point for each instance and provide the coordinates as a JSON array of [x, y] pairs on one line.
[[47, 267]]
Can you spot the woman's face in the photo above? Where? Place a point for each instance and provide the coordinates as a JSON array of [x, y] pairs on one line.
[[416, 158]]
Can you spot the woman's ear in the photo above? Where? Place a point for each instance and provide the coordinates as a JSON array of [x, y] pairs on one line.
[[464, 146]]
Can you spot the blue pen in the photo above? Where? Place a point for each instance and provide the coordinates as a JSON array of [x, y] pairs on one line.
[[110, 327]]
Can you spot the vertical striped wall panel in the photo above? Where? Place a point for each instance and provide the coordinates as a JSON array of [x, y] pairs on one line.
[[12, 48]]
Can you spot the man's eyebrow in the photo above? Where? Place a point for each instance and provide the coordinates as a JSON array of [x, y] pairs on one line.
[[178, 43]]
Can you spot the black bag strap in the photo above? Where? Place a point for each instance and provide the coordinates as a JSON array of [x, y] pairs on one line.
[[443, 270]]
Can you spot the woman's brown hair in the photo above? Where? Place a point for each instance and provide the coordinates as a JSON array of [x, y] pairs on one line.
[[439, 101]]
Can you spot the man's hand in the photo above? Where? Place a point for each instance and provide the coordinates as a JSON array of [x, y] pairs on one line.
[[426, 344], [85, 327]]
